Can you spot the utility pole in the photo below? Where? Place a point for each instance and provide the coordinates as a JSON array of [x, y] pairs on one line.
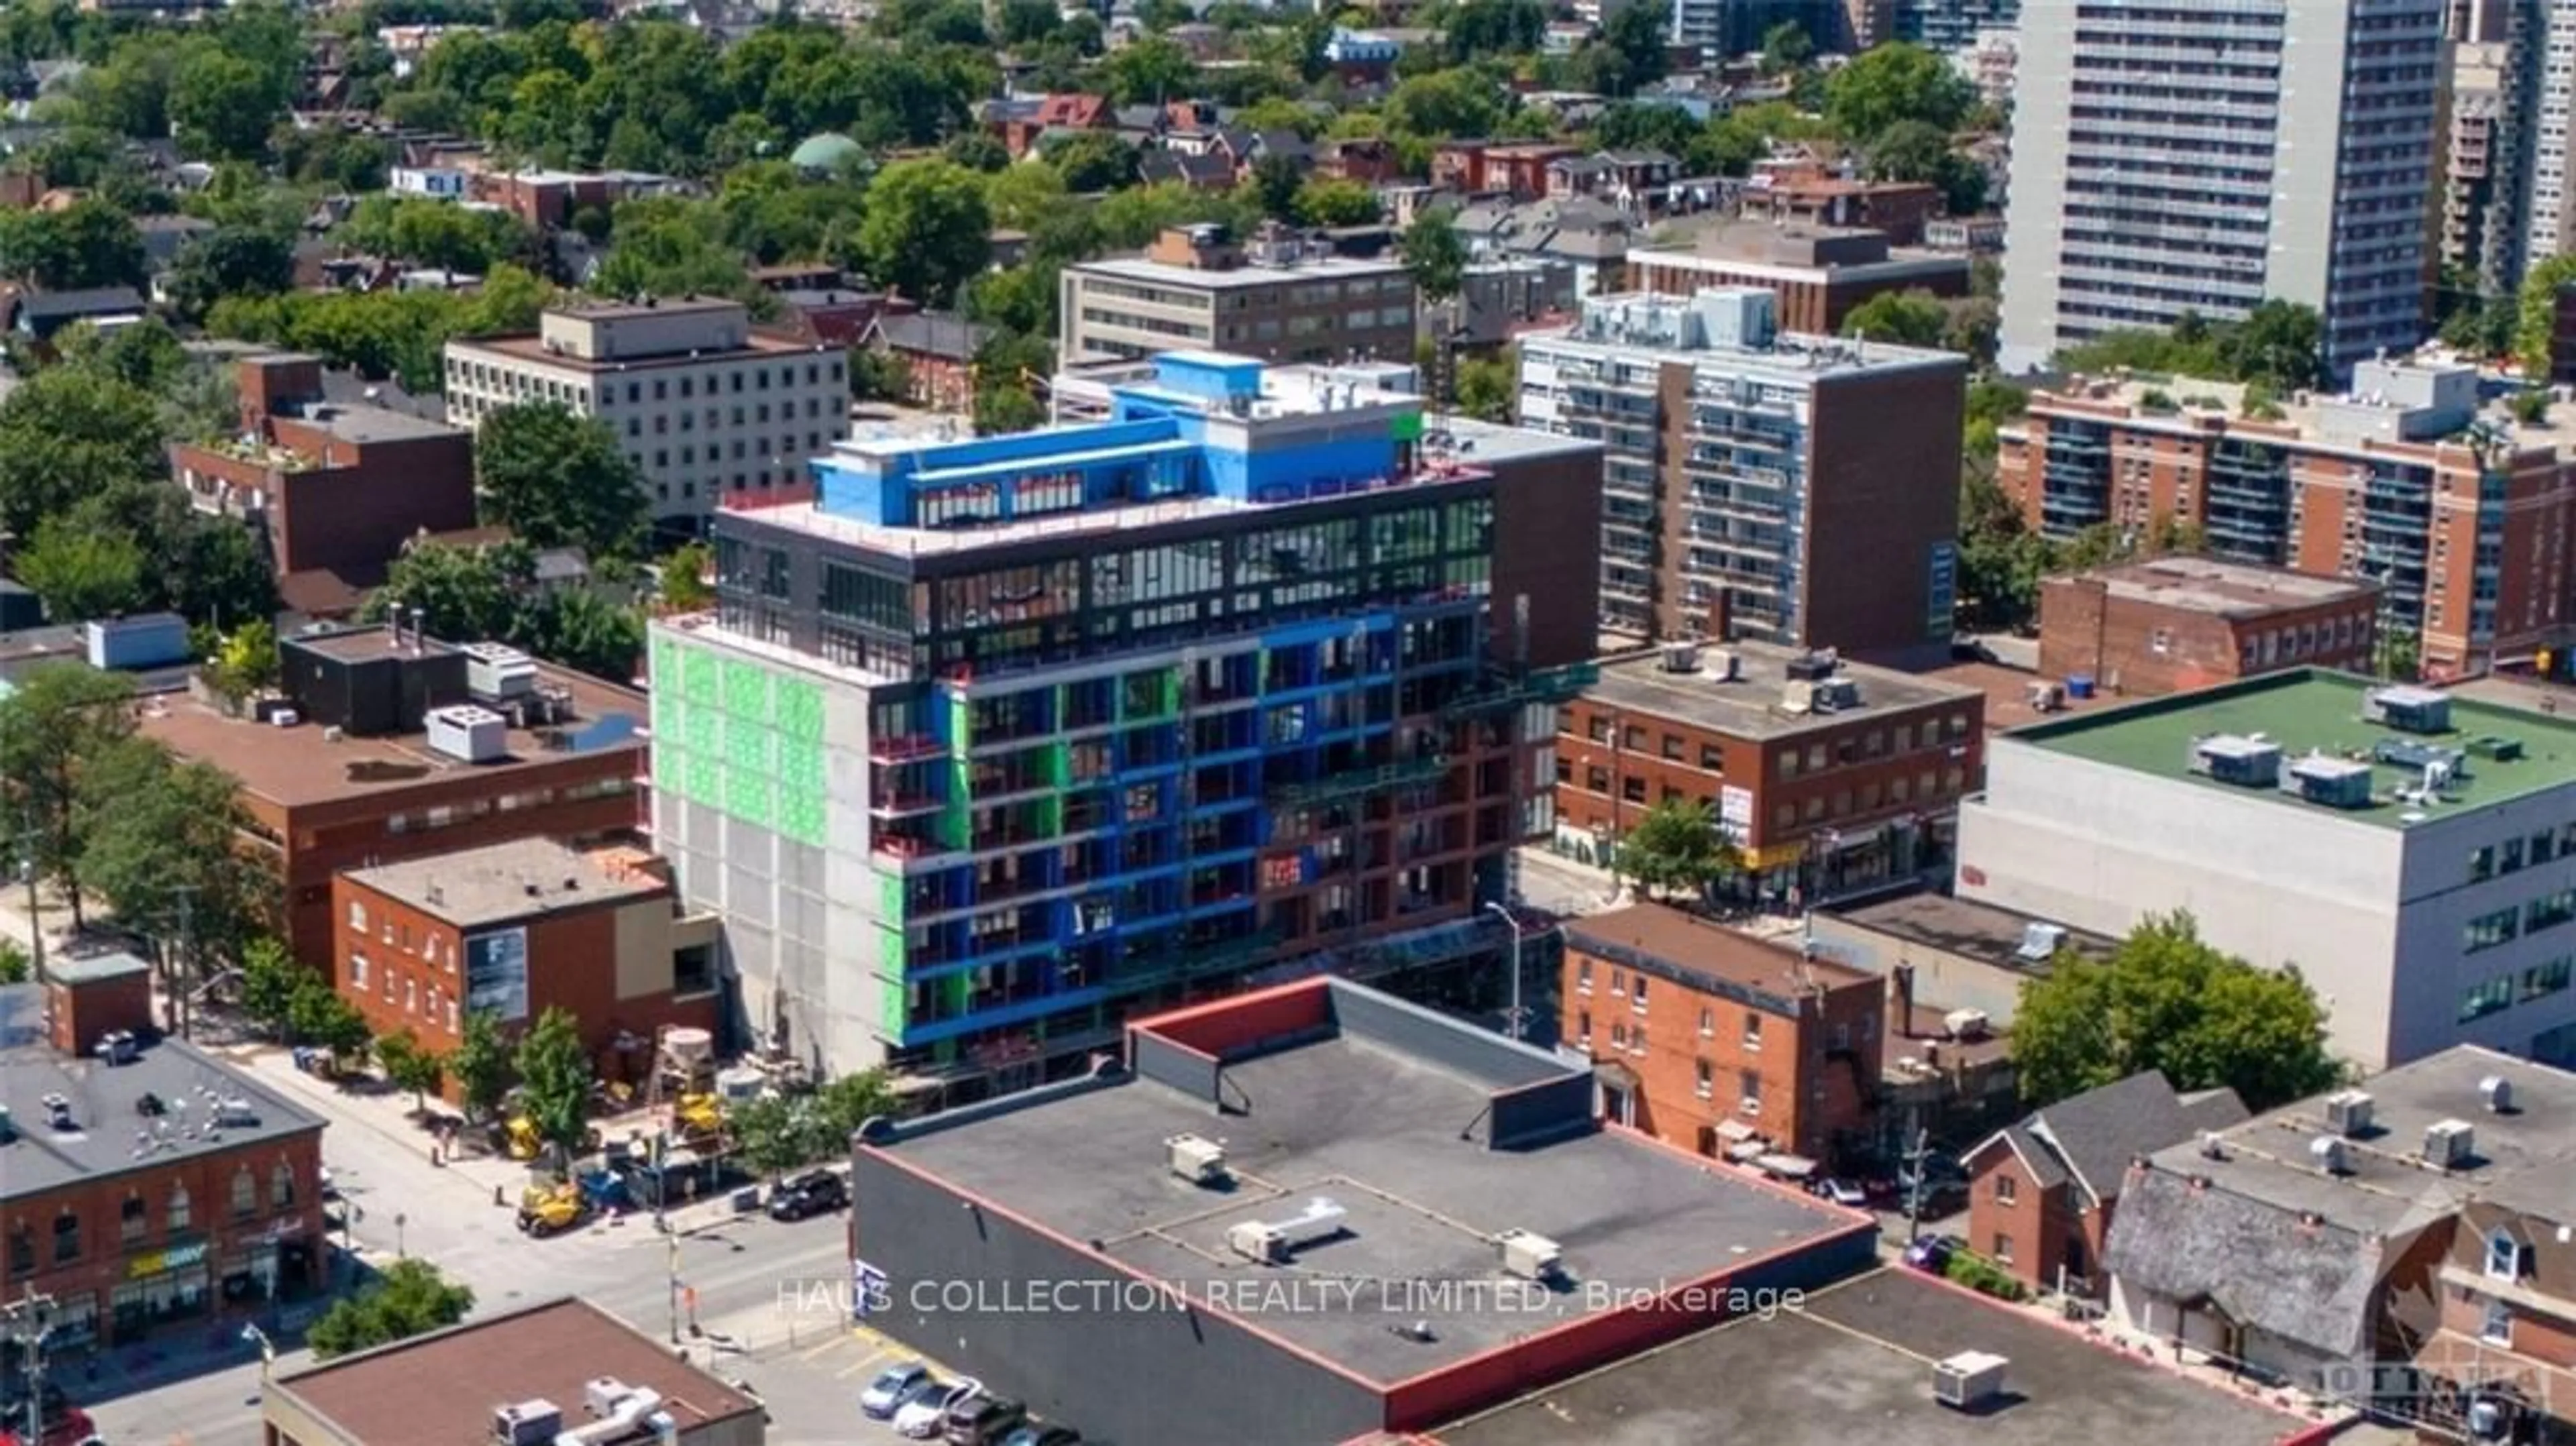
[[26, 1322], [188, 957], [1513, 1019], [1915, 1159], [35, 905]]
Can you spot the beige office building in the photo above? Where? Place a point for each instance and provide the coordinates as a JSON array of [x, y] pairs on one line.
[[1279, 298], [704, 405]]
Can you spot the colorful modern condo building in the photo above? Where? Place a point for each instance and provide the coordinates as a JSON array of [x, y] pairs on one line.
[[990, 742]]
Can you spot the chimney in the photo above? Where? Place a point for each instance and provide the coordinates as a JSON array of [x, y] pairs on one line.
[[1721, 617], [1903, 975], [90, 999]]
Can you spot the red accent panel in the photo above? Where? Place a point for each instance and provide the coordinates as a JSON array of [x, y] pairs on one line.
[[1231, 1026]]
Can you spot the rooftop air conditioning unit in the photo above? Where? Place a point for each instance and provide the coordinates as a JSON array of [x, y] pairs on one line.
[[1276, 1242], [2245, 762], [2326, 1152], [1196, 1159], [526, 1423], [1528, 1256], [2408, 709], [1966, 1023], [1724, 666], [2449, 1144], [2497, 1091], [1681, 657], [1969, 1380], [2348, 1112], [2040, 941], [601, 1394]]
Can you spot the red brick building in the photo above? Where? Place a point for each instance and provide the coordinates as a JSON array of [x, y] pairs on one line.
[[2042, 1192], [1806, 192], [521, 927], [2171, 624], [118, 1201], [350, 776], [334, 489], [937, 349], [1820, 275], [1817, 801], [1710, 1039], [1517, 167]]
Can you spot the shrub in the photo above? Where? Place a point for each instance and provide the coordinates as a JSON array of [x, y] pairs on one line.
[[1982, 1276]]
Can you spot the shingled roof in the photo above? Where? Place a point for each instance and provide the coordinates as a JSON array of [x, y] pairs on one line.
[[2091, 1138], [2306, 1280]]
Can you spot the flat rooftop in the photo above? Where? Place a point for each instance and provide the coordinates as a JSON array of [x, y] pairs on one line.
[[2523, 1160], [531, 347], [2196, 402], [2007, 690], [1855, 1364], [1973, 930], [2225, 589], [363, 424], [1707, 952], [2306, 709], [520, 879], [445, 1386], [1382, 1134], [107, 1111], [1247, 275], [294, 767], [1751, 705]]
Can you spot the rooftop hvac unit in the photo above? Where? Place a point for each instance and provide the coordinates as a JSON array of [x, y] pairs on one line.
[[2326, 1153], [1966, 1023], [2040, 941], [1724, 666], [526, 1423], [1797, 696], [1277, 1242], [2497, 1091], [497, 672], [2408, 710], [1681, 657], [2244, 762], [1196, 1159], [463, 731], [2333, 782], [1969, 1380], [1813, 667], [1529, 1256], [2449, 1144], [2348, 1112]]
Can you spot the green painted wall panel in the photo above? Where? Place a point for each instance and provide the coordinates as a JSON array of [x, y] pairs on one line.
[[798, 709], [705, 780], [748, 797], [801, 816], [890, 1006], [698, 676], [889, 896]]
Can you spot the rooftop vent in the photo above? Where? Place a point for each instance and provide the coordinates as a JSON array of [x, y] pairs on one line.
[[1966, 1023], [1681, 658], [1969, 1380], [2408, 709], [2502, 750], [58, 1113], [1199, 1160], [2213, 1145], [1724, 666], [1276, 1242], [526, 1423], [2449, 1144], [2497, 1091], [1529, 1256], [235, 1113], [463, 731], [1814, 667], [2326, 1153], [2333, 782], [2348, 1113], [2244, 762], [2040, 941]]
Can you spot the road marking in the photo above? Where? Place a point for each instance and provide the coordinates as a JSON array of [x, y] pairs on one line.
[[818, 1352], [867, 1362]]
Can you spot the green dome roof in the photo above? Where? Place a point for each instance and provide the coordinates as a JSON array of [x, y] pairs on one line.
[[826, 152]]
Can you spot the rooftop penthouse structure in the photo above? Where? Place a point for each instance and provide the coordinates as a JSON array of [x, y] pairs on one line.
[[988, 741]]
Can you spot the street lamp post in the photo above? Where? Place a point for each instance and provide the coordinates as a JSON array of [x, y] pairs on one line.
[[35, 915], [24, 1323], [1513, 1020]]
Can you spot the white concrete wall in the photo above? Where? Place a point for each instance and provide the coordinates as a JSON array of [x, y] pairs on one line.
[[2435, 969], [2098, 847]]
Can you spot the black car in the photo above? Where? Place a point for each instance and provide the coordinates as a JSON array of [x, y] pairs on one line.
[[817, 1193], [1036, 1435]]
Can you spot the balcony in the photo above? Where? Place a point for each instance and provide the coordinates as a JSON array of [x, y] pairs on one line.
[[904, 748], [900, 803]]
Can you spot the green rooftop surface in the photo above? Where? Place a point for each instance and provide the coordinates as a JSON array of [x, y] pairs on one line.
[[2314, 710]]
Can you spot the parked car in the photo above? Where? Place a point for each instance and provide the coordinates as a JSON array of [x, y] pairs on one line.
[[1033, 1434], [893, 1388], [818, 1192], [921, 1418], [980, 1420], [1932, 1252], [1936, 1198], [1846, 1193]]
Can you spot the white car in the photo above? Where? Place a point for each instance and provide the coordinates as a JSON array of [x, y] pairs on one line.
[[922, 1417], [893, 1387]]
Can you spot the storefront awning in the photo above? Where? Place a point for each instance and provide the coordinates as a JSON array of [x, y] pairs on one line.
[[1745, 1152], [1616, 1075], [1734, 1131], [1787, 1167]]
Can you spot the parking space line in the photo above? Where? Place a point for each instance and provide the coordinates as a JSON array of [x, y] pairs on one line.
[[867, 1362], [825, 1349]]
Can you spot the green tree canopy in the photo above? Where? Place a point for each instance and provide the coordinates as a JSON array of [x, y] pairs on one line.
[[557, 479], [55, 723], [1908, 318], [481, 1064], [230, 261], [411, 1067], [161, 845], [2537, 325], [926, 230], [1676, 849], [555, 1080], [1435, 255], [225, 106], [81, 574], [1889, 84], [411, 1298], [89, 243], [2166, 1000]]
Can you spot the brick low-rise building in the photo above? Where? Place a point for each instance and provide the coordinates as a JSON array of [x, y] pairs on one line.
[[1817, 798], [520, 927], [146, 1186], [2172, 624], [350, 774], [1819, 273], [1712, 1040]]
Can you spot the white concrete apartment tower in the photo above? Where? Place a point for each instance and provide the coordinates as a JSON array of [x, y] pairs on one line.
[[2177, 156]]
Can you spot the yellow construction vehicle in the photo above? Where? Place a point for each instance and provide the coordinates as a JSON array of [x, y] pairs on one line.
[[698, 1117], [523, 1138], [551, 1209]]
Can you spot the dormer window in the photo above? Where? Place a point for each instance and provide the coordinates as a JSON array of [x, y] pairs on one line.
[[2504, 1256]]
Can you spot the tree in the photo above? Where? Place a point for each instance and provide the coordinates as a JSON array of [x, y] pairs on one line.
[[481, 1064], [1636, 35], [1092, 161], [773, 1134], [411, 1298], [1435, 256], [557, 479], [86, 244], [318, 1016], [411, 1067], [1676, 848], [2280, 344], [67, 432], [1328, 201], [162, 848], [1908, 318], [1486, 386], [926, 230], [685, 588], [459, 592], [1786, 47], [2001, 561], [230, 261], [246, 662], [56, 720], [840, 1106], [16, 965], [1443, 104], [555, 1079], [2396, 654], [580, 629], [2166, 1000], [269, 980], [1276, 180], [225, 106], [1897, 82], [1149, 71], [81, 574], [2537, 326]]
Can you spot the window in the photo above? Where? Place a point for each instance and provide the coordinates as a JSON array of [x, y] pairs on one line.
[[1619, 982], [1706, 1083], [2486, 931], [1618, 1036], [178, 1216], [1788, 763], [1712, 758], [281, 1187], [2549, 911], [2482, 999], [1582, 976], [2543, 980], [357, 969], [2511, 860], [2002, 1248], [1752, 1030], [66, 1238], [1583, 1025], [2005, 1185], [1748, 1084], [245, 1193], [1638, 999], [2504, 1256], [357, 916], [1633, 789], [2482, 864], [134, 1221], [22, 1251], [1707, 1023], [2497, 1328]]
